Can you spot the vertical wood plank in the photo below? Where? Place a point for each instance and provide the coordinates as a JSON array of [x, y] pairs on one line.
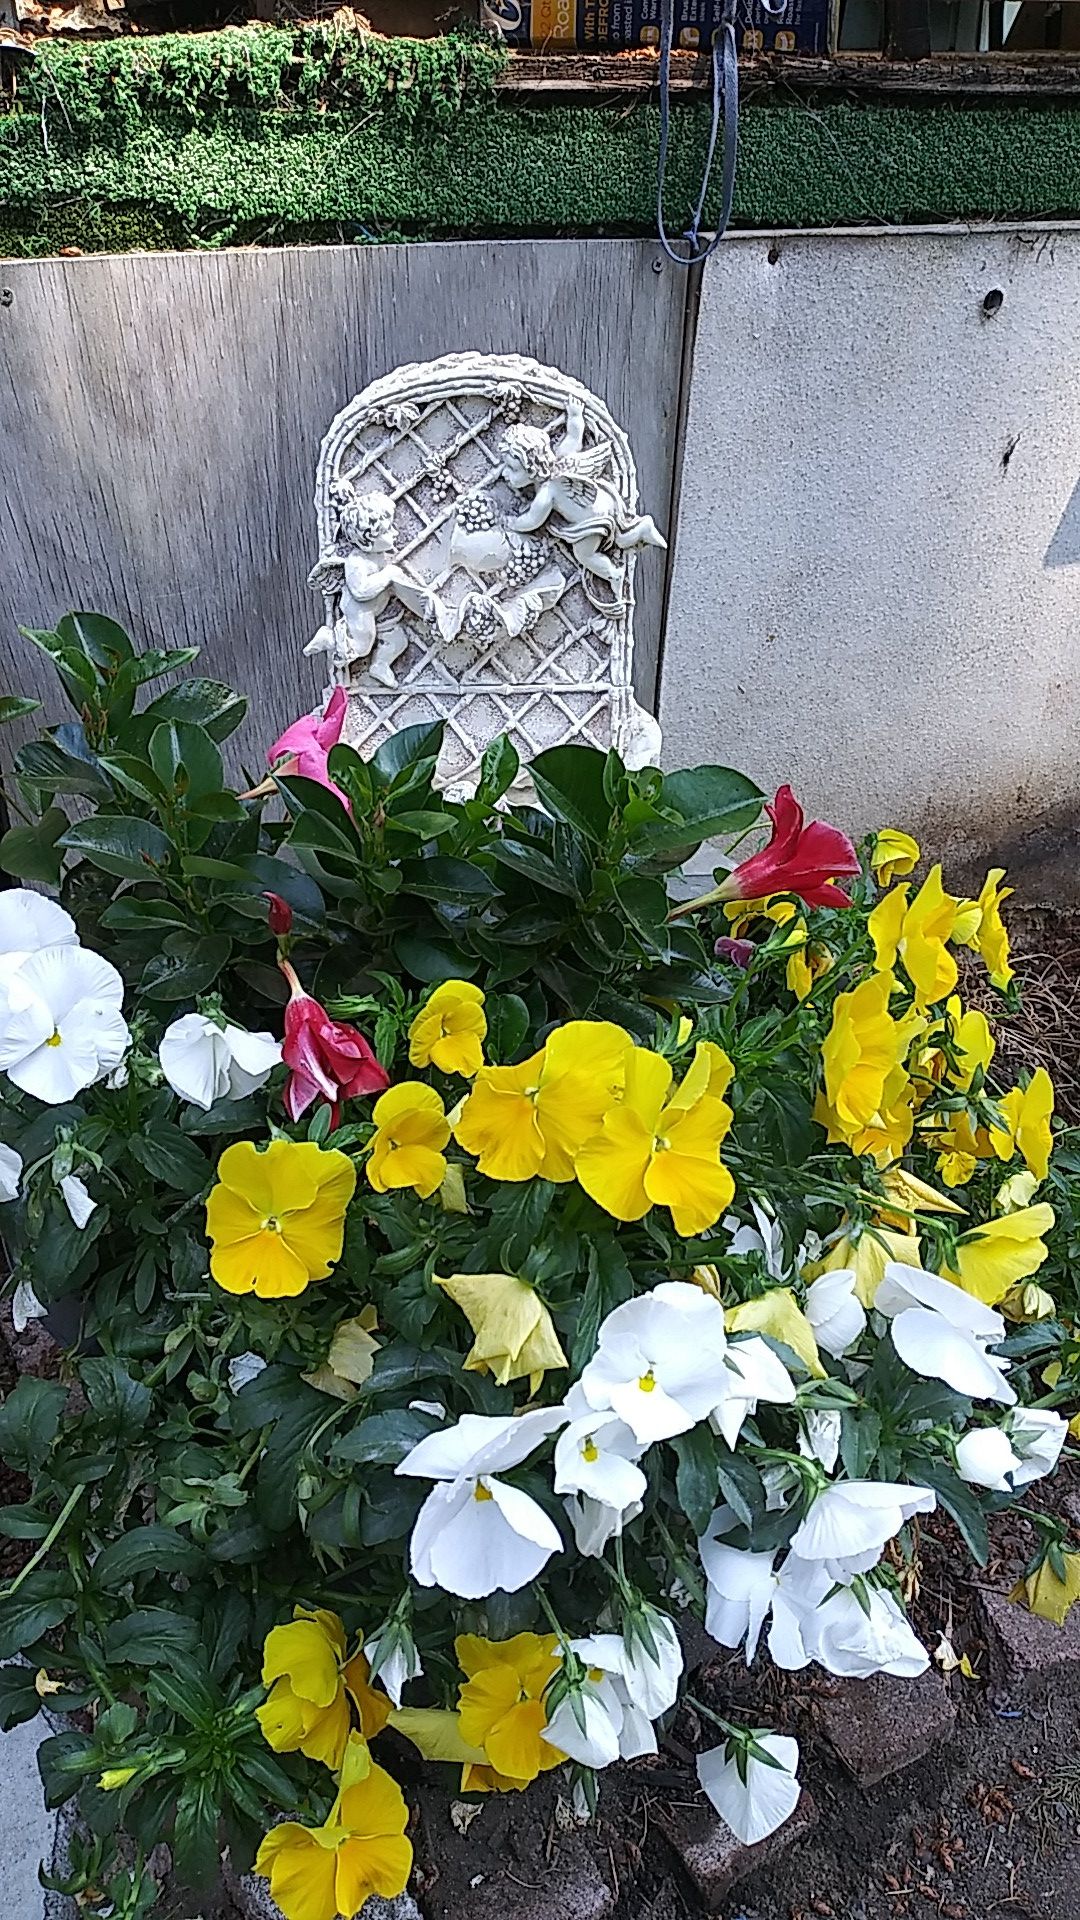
[[160, 418]]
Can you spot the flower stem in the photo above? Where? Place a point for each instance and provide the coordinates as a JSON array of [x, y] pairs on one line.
[[49, 1541]]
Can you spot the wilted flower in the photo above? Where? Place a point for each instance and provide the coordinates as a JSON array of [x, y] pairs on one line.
[[992, 1257], [835, 1311], [324, 1056], [515, 1334]]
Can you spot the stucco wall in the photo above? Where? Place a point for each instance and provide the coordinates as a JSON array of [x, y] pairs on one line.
[[875, 589]]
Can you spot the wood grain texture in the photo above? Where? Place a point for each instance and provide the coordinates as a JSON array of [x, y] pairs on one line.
[[160, 418], [1043, 75]]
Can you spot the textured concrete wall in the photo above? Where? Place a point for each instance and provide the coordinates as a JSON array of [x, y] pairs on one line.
[[875, 590]]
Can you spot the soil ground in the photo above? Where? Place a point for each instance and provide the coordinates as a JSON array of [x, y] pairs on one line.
[[987, 1825]]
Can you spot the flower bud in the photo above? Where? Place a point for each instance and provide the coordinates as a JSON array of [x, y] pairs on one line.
[[280, 915]]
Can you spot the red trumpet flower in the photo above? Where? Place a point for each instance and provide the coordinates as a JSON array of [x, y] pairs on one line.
[[324, 1056], [802, 859]]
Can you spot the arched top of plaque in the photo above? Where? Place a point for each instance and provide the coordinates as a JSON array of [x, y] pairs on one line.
[[478, 533]]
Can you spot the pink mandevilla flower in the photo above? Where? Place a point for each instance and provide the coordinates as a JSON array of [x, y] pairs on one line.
[[304, 747], [324, 1056], [805, 859]]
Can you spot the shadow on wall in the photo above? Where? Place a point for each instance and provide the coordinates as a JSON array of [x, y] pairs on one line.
[[1064, 548], [1041, 860]]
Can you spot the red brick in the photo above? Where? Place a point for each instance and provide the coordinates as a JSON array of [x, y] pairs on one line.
[[879, 1726], [1029, 1648], [715, 1861]]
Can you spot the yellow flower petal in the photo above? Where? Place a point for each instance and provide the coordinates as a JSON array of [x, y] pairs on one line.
[[778, 1314], [895, 853], [450, 1029], [991, 1258], [1048, 1596], [515, 1335]]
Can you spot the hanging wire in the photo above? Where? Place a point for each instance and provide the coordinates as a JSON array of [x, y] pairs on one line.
[[725, 112]]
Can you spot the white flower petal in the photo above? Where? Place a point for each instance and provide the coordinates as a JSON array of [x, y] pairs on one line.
[[852, 1518], [254, 1057], [597, 1454], [821, 1439], [11, 1171], [1038, 1435], [769, 1796], [195, 1059], [835, 1312], [594, 1743], [937, 1350], [657, 1360], [26, 1306], [595, 1524], [242, 1368], [78, 1200], [473, 1546], [984, 1458], [740, 1592], [480, 1443], [30, 921], [902, 1287]]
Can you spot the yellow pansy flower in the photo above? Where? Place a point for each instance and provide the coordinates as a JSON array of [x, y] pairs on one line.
[[276, 1219], [993, 1257], [515, 1334], [916, 934], [1017, 1191], [867, 1253], [805, 968], [894, 854], [1048, 1596], [311, 1684], [411, 1130], [1027, 1112], [318, 1873], [778, 1314], [863, 1046], [974, 1044], [662, 1148], [435, 1732], [501, 1705], [988, 934], [529, 1120], [911, 1195], [449, 1030]]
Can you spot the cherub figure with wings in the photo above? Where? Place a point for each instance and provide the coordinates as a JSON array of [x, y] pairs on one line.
[[367, 585], [565, 482]]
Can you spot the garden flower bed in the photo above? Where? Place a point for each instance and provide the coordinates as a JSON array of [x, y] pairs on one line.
[[513, 1301]]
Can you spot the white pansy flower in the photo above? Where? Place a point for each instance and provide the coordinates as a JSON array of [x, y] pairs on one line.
[[835, 1311], [766, 1238], [740, 1590], [819, 1438], [476, 1535], [1038, 1435], [78, 1200], [942, 1333], [596, 1454], [850, 1521], [29, 922], [984, 1458], [753, 1808], [393, 1659], [595, 1524], [242, 1368], [204, 1062], [587, 1722], [657, 1361], [752, 1372], [25, 1306], [61, 1027], [848, 1636], [11, 1172]]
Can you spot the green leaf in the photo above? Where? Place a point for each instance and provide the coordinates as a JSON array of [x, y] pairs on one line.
[[570, 782], [63, 1763], [185, 759], [276, 1394], [148, 1635], [742, 1487], [32, 853], [696, 1478], [430, 961], [45, 764], [707, 801], [390, 1507], [498, 769], [131, 914], [151, 1549], [130, 849], [532, 863], [189, 969], [98, 637], [30, 1421], [382, 1439], [353, 775], [508, 1025], [860, 1437], [195, 1845], [121, 1403], [44, 1600], [960, 1501], [415, 748], [200, 703], [18, 1696], [169, 1155], [609, 1283], [451, 882], [14, 705]]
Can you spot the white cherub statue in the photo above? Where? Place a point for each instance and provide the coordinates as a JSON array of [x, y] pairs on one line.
[[565, 481], [355, 569]]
